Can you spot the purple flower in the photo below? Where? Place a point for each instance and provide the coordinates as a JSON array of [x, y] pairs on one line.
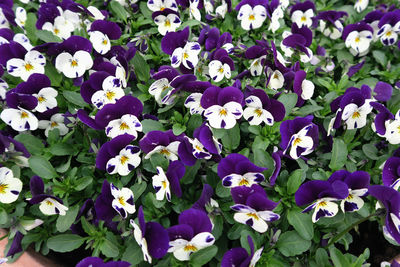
[[237, 170], [253, 207], [389, 26], [300, 136], [95, 261], [391, 172], [383, 91], [205, 198], [252, 13], [5, 145], [330, 23], [151, 237], [240, 257], [164, 143], [167, 20], [358, 37], [16, 246], [276, 156], [191, 234], [322, 195], [355, 68], [302, 13], [164, 183]]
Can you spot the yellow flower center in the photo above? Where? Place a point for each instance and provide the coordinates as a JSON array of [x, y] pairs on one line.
[[3, 188], [167, 23], [164, 184], [105, 42], [356, 115], [162, 8], [303, 18], [53, 124], [24, 115], [357, 40], [276, 76], [56, 31], [398, 128], [121, 201], [349, 197], [388, 33], [223, 112], [185, 55], [221, 70], [48, 202], [124, 126], [165, 88], [253, 215], [297, 141], [190, 247], [256, 63], [41, 99], [251, 17], [74, 63], [198, 148], [165, 152], [110, 95], [123, 159], [28, 67], [322, 204], [258, 112], [243, 182]]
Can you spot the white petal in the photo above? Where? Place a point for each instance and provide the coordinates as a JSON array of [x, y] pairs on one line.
[[176, 57], [203, 240], [307, 88], [324, 209]]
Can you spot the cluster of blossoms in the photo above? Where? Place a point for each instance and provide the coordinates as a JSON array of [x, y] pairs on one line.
[[157, 120]]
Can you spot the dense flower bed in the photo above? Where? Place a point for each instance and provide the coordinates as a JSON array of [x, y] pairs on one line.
[[199, 132]]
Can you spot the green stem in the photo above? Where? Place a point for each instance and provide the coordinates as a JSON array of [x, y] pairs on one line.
[[341, 234]]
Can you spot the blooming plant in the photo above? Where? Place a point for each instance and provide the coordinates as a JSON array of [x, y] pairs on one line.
[[200, 132]]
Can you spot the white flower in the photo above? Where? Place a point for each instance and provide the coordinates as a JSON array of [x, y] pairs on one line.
[[123, 201], [361, 5], [255, 219], [353, 202], [194, 12], [359, 41], [20, 17], [50, 206], [19, 119], [31, 224], [127, 124], [198, 150], [3, 89], [23, 40], [307, 89], [10, 187], [333, 32], [356, 117], [392, 133], [256, 257], [192, 102], [388, 34], [182, 249], [33, 62], [300, 140], [255, 114], [276, 79], [188, 55], [101, 42], [61, 28], [256, 67], [276, 15], [167, 23], [219, 70], [170, 151], [74, 66], [46, 99], [137, 233], [160, 5], [324, 207], [247, 179], [161, 185], [252, 18], [208, 6], [222, 9], [162, 91], [127, 160], [56, 121], [302, 18], [3, 21], [224, 116], [112, 91]]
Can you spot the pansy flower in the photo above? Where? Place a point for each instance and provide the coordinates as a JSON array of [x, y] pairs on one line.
[[12, 148], [192, 102], [220, 66], [20, 17], [160, 5], [330, 23], [391, 171], [57, 121], [213, 40], [151, 237], [10, 187], [251, 14], [60, 27], [275, 79], [298, 39], [222, 106], [253, 208], [118, 156], [386, 124], [237, 170], [360, 5], [49, 205], [322, 195], [358, 38], [164, 143], [302, 13], [164, 183], [302, 87], [372, 19], [167, 20], [101, 32], [275, 12], [358, 183], [260, 108], [123, 200], [258, 53], [240, 257], [299, 136], [192, 234], [389, 27]]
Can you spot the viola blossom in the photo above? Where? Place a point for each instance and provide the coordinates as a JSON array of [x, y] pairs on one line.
[[217, 8], [240, 257], [188, 55], [360, 5], [386, 124], [221, 65], [211, 39], [222, 106], [57, 121], [164, 183], [358, 38], [192, 234], [110, 93], [330, 23], [49, 205], [14, 150], [253, 207], [74, 66], [275, 12], [160, 5], [391, 171], [251, 16], [20, 17], [101, 32], [194, 11], [259, 54], [32, 62], [151, 237], [118, 156], [275, 79], [390, 199], [161, 88], [127, 124], [260, 108], [298, 40], [237, 170], [302, 87], [10, 187], [372, 19], [167, 20], [322, 195], [389, 27], [192, 102], [358, 183], [123, 201], [19, 119], [352, 107], [60, 27], [299, 136], [302, 13], [164, 143], [95, 261]]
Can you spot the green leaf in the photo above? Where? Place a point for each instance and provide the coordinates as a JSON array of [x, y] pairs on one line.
[[3, 216], [222, 191], [33, 144], [118, 10], [82, 183], [151, 125], [231, 138], [138, 189], [295, 180], [194, 122], [30, 27], [158, 160], [289, 101], [65, 242], [302, 223], [133, 254], [338, 259], [370, 151], [339, 154], [291, 244], [47, 36], [380, 57], [191, 172], [203, 256], [62, 149], [263, 159], [64, 222], [109, 249], [74, 98], [53, 74], [321, 256], [142, 69], [42, 167], [177, 129]]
